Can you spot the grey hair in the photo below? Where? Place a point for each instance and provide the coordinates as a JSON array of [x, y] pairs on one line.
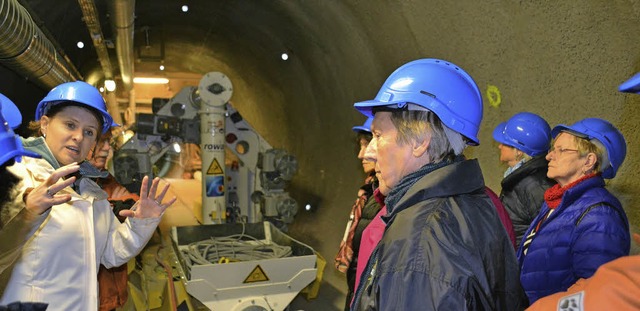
[[602, 155], [417, 125]]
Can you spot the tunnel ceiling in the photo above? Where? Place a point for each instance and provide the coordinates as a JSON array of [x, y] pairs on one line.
[[243, 39], [237, 32], [229, 29]]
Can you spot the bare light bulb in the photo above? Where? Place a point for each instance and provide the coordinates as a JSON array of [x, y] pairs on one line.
[[110, 85]]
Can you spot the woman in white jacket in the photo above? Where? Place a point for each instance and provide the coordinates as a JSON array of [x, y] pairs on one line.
[[74, 229]]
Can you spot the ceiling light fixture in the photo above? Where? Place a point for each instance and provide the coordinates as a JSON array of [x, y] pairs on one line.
[[142, 80], [80, 44], [110, 85], [161, 67], [185, 8], [284, 56]]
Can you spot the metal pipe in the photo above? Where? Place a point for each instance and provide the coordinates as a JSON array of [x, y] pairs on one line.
[[122, 13], [26, 50], [132, 108], [90, 17], [114, 108]]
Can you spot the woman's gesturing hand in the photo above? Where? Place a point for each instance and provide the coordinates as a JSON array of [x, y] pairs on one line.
[[45, 195], [149, 204]]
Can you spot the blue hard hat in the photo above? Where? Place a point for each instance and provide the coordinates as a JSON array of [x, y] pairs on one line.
[[437, 85], [606, 134], [632, 85], [525, 131], [366, 127], [10, 144], [10, 112], [114, 124], [79, 92]]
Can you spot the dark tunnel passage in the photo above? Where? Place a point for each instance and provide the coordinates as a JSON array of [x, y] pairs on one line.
[[560, 59]]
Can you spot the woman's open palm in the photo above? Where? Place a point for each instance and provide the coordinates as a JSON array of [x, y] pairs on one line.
[[149, 204]]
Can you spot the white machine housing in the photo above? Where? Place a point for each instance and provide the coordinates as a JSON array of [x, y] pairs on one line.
[[224, 286]]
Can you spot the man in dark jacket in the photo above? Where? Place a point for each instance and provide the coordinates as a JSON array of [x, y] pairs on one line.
[[444, 247]]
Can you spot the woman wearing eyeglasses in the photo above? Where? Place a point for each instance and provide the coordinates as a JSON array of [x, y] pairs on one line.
[[581, 225]]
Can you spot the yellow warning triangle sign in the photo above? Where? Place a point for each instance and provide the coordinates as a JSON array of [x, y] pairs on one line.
[[257, 275], [214, 168]]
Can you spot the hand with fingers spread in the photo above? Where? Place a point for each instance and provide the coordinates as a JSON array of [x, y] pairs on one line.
[[45, 195], [149, 204]]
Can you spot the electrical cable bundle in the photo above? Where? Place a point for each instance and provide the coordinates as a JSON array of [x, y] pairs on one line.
[[237, 247]]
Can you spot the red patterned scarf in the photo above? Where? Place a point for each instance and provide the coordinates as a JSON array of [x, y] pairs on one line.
[[553, 196], [345, 252]]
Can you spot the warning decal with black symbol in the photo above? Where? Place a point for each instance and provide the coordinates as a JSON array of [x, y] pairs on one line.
[[256, 275], [214, 168]]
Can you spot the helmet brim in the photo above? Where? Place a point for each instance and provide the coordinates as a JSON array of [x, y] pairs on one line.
[[498, 134], [632, 85], [366, 107], [360, 128], [11, 114], [17, 154], [566, 128]]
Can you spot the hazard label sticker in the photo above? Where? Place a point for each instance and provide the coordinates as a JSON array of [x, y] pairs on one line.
[[257, 275], [214, 168]]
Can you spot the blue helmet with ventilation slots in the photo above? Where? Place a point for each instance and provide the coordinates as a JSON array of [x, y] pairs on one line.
[[436, 85], [525, 131]]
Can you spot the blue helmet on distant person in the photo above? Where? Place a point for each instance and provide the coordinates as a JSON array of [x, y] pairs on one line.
[[366, 127], [437, 85], [632, 85], [10, 112], [10, 144], [525, 131], [79, 92], [604, 132]]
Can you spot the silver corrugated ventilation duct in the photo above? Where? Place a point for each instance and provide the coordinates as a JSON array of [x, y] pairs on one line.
[[122, 15], [26, 50]]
